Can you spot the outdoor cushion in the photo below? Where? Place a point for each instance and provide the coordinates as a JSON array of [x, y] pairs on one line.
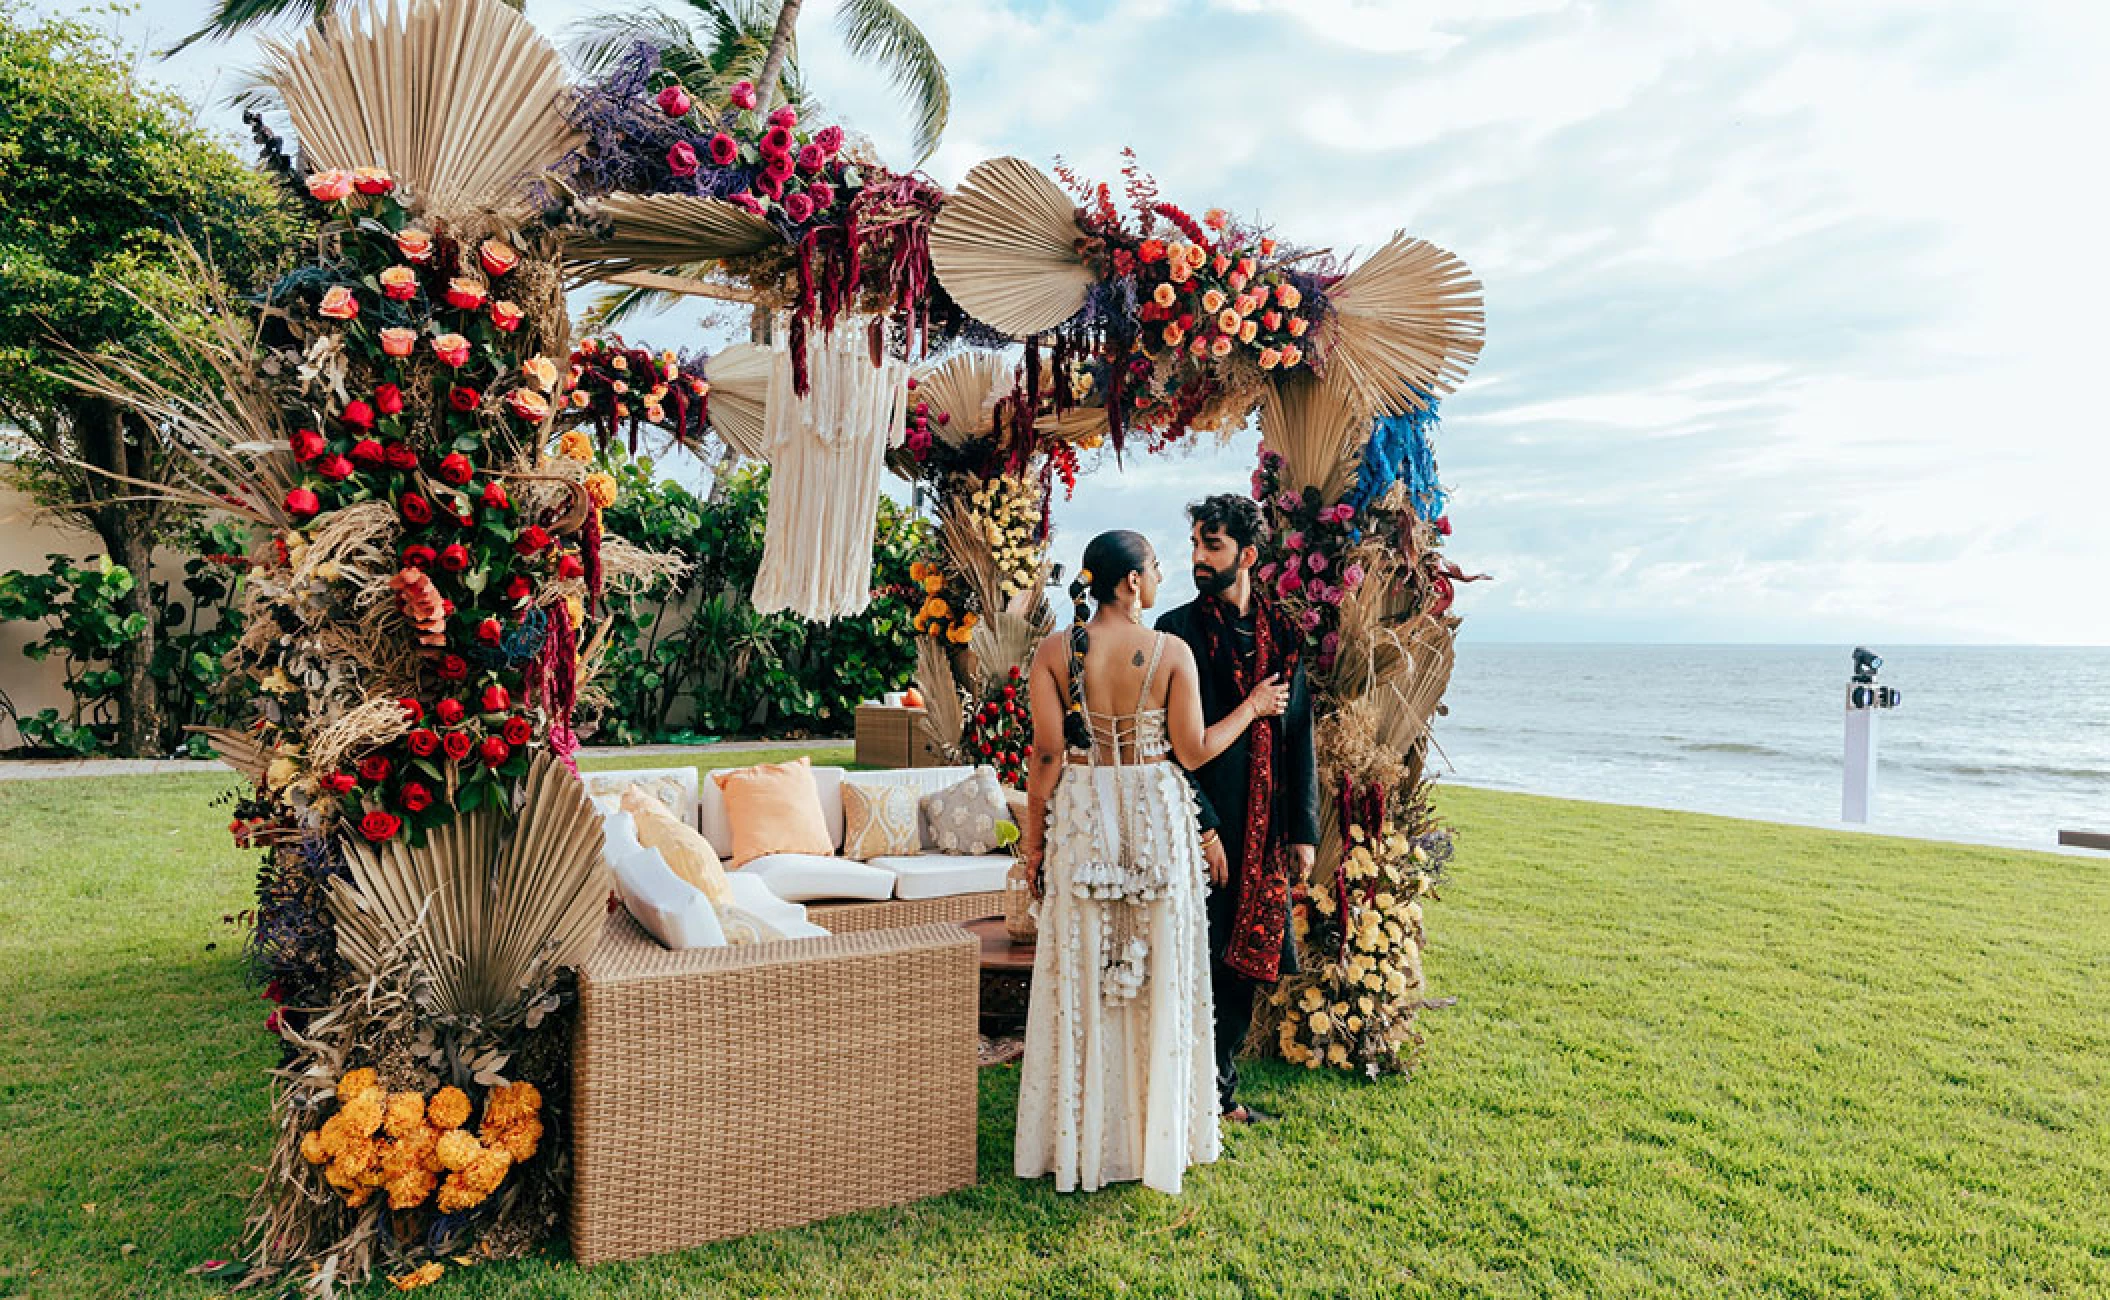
[[676, 787], [714, 817], [963, 817], [880, 819], [672, 911], [802, 877], [757, 915], [942, 875], [774, 808], [682, 845]]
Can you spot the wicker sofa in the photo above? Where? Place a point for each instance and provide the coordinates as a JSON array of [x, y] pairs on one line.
[[724, 1091]]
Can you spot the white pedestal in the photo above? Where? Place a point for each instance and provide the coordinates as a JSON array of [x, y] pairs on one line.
[[1860, 786]]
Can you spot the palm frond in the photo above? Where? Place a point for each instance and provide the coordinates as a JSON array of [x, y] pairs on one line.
[[878, 31], [663, 232], [944, 710], [593, 46], [1316, 426], [1005, 247], [232, 16], [739, 379]]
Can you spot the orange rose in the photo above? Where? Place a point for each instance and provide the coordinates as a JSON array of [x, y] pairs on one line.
[[1179, 272], [1220, 348], [1227, 321], [330, 186], [1290, 355], [1163, 295], [399, 342], [1248, 331], [1267, 247], [497, 256], [452, 349], [1297, 326], [1213, 301], [506, 315], [527, 404], [1269, 358], [1219, 264], [1237, 280], [339, 304], [414, 243], [1173, 336], [1216, 218], [1287, 295], [399, 284], [465, 292], [542, 371]]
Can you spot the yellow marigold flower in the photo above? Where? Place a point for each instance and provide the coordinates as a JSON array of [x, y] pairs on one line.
[[1313, 999], [358, 1196], [311, 1148], [458, 1149], [601, 487], [356, 1082], [448, 1109], [407, 1191], [405, 1114], [1320, 1022], [424, 1274], [488, 1170], [456, 1195], [363, 1116], [337, 1178], [520, 1139], [333, 1133], [575, 445]]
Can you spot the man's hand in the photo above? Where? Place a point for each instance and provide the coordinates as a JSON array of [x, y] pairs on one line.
[[1219, 864], [1305, 856]]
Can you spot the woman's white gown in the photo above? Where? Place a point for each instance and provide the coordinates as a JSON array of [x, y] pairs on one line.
[[1119, 1077]]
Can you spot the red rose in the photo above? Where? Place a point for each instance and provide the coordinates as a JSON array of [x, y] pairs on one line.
[[987, 749], [463, 398], [367, 452], [455, 468], [496, 700], [506, 316], [681, 159], [416, 509], [374, 767], [519, 588], [798, 209], [465, 294], [742, 94], [449, 711], [823, 196], [372, 181], [532, 539], [495, 496], [724, 149], [302, 504], [777, 141], [495, 751], [419, 556], [358, 415], [275, 1022], [457, 744], [388, 399], [518, 731], [412, 710], [490, 630], [673, 101], [453, 668], [339, 782], [415, 796], [570, 566], [454, 558], [308, 444], [378, 826], [423, 742], [334, 468], [399, 456]]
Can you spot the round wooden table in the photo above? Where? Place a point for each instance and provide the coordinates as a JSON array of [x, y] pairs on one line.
[[1007, 977]]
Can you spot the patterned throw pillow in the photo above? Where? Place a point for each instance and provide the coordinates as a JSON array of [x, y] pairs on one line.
[[962, 818], [879, 820]]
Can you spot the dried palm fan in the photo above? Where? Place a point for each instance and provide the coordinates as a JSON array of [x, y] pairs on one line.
[[236, 749], [972, 557], [965, 387], [1005, 247], [494, 902], [1078, 424], [1316, 425], [1408, 325], [1005, 636], [664, 232], [462, 101], [739, 397], [944, 712]]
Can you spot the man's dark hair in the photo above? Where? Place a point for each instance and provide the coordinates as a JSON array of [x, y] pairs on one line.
[[1236, 517]]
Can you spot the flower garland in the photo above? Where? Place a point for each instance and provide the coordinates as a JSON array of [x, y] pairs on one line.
[[611, 383]]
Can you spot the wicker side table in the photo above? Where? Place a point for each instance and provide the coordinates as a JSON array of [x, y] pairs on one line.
[[723, 1091]]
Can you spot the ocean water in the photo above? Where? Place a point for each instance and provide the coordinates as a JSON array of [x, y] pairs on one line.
[[1991, 744]]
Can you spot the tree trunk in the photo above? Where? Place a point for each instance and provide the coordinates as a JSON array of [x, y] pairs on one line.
[[779, 52], [138, 702]]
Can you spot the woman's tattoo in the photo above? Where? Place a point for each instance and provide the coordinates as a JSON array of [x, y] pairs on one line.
[[1139, 659]]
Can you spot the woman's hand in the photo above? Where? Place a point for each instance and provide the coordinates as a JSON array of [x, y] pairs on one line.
[[1270, 698], [1032, 859]]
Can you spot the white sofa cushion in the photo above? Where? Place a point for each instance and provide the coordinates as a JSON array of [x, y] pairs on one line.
[[717, 825], [676, 787], [942, 875], [757, 915], [672, 910], [802, 877]]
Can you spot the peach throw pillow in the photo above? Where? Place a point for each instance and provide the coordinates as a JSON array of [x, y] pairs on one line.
[[774, 808], [688, 854]]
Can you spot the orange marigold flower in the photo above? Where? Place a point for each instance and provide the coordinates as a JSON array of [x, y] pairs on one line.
[[448, 1109]]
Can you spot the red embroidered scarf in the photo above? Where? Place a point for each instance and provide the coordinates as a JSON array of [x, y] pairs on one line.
[[1262, 871]]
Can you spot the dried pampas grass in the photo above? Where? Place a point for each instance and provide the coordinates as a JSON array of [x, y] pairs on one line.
[[462, 101], [377, 722], [1005, 247], [944, 711], [629, 569], [1408, 324]]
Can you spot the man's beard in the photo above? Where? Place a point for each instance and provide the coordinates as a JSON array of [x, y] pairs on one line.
[[1214, 582]]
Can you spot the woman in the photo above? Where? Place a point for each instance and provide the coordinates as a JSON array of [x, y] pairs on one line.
[[1119, 1079]]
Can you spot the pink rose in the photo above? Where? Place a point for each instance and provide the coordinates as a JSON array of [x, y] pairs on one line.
[[798, 209], [673, 101], [786, 117], [780, 168], [811, 158], [1352, 576], [776, 142], [452, 349], [1292, 583], [1316, 562], [746, 202], [1296, 540], [724, 149], [330, 186], [681, 159], [743, 94], [1309, 620], [398, 342], [823, 196], [339, 304], [829, 138], [769, 184]]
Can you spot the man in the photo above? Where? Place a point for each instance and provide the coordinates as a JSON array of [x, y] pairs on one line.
[[1259, 798]]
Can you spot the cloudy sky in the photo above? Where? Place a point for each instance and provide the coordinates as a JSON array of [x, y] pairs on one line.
[[1792, 304]]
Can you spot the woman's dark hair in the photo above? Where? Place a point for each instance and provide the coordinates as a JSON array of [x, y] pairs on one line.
[[1108, 560], [1236, 517]]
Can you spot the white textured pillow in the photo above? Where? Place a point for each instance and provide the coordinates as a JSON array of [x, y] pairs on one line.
[[759, 916], [672, 910], [962, 818]]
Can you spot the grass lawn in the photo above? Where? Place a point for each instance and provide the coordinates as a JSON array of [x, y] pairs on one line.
[[1691, 1056]]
